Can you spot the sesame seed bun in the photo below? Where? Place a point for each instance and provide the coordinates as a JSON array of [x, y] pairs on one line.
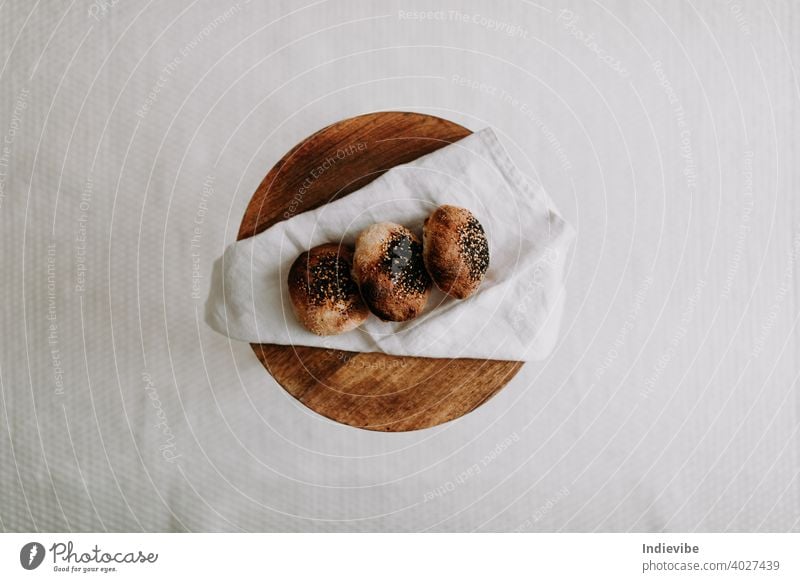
[[455, 250], [324, 296], [388, 267]]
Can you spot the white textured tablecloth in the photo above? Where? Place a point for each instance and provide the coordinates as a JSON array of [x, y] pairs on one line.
[[133, 134], [514, 315]]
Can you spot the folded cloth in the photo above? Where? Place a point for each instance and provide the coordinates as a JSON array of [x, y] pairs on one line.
[[516, 313]]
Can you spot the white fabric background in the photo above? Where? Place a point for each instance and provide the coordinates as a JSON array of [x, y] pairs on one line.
[[671, 400]]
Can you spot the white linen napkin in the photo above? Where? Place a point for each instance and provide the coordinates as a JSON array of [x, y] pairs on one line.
[[516, 313]]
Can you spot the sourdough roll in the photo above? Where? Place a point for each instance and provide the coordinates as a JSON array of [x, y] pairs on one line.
[[388, 267], [324, 296], [455, 250]]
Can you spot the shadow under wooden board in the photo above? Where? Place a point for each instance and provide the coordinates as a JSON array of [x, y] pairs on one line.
[[365, 390]]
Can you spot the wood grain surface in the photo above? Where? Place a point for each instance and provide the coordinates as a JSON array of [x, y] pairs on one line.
[[365, 390]]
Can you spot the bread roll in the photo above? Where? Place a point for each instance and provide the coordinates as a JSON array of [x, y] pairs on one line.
[[388, 267], [455, 250], [324, 296]]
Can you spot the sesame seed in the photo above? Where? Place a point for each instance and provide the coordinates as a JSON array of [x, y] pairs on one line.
[[474, 248], [328, 279], [402, 260]]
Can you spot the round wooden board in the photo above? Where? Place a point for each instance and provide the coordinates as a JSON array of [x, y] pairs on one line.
[[366, 390]]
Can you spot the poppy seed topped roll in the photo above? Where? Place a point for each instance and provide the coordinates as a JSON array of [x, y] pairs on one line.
[[388, 267], [324, 296], [456, 250]]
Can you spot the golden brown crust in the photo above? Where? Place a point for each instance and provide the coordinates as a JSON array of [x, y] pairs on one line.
[[455, 250], [388, 267], [324, 296]]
